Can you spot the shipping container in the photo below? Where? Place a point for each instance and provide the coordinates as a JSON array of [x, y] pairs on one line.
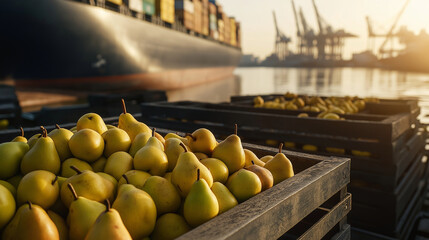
[[135, 5], [186, 18], [233, 39], [219, 10], [227, 28], [186, 5], [149, 7], [165, 10], [198, 17], [117, 2], [205, 17], [213, 22], [214, 34], [221, 27], [212, 1], [238, 29], [212, 9]]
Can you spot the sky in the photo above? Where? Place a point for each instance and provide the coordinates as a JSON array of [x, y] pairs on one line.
[[258, 32]]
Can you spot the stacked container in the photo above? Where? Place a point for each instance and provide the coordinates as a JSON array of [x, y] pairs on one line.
[[233, 32], [117, 2], [198, 21], [185, 13], [238, 29], [165, 10], [136, 5], [213, 22], [227, 28], [149, 7], [205, 17]]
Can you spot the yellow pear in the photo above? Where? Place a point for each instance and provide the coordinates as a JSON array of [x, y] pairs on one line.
[[99, 164], [266, 158], [33, 139], [40, 187], [224, 197], [201, 156], [20, 138], [87, 144], [67, 172], [160, 138], [169, 226], [139, 142], [134, 177], [230, 151], [115, 140], [280, 167], [250, 156], [113, 182], [10, 230], [128, 123], [91, 121], [9, 187], [185, 172], [174, 135], [59, 206], [168, 176], [202, 140], [61, 137], [242, 178], [173, 150], [151, 158], [217, 168], [11, 154], [61, 225], [15, 180], [42, 156], [264, 175], [163, 193], [7, 206], [118, 163]]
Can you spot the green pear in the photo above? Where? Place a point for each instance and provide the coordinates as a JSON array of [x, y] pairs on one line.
[[34, 223], [139, 142], [108, 225], [264, 175], [230, 151], [82, 214], [134, 177], [67, 172], [242, 178], [61, 137], [39, 187], [10, 230], [7, 206], [173, 135], [137, 210], [11, 154], [173, 150], [151, 158], [128, 123], [61, 225], [202, 140], [163, 193], [169, 226], [20, 138], [87, 184], [217, 168], [91, 121], [251, 157], [99, 164], [118, 163], [115, 140], [266, 158], [33, 139], [42, 156], [185, 172], [201, 204], [87, 145], [280, 167], [9, 187], [224, 197]]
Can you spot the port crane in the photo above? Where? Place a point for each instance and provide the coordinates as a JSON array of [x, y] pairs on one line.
[[281, 43]]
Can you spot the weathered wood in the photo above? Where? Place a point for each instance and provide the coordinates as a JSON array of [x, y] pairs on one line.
[[345, 234]]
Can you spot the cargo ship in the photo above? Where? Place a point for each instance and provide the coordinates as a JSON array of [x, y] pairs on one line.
[[98, 45]]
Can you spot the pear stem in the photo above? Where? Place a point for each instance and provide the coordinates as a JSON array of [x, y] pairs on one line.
[[126, 178], [153, 132], [190, 135], [253, 163], [124, 108], [107, 205], [30, 205], [198, 174], [280, 147], [183, 146], [57, 126], [76, 169], [70, 186], [55, 179], [44, 132], [22, 131], [235, 129]]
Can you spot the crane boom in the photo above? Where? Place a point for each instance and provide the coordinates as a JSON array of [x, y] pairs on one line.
[[298, 29], [390, 33], [319, 20], [275, 23], [303, 21]]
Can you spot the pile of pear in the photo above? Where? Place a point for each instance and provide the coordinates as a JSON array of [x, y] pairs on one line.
[[98, 181]]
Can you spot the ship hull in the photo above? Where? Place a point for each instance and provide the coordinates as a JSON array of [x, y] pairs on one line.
[[66, 44]]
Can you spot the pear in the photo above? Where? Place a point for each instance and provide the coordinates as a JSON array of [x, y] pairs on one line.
[[82, 214], [99, 164], [173, 150], [201, 156], [10, 230], [280, 167], [264, 175], [118, 163], [139, 142], [115, 140], [87, 145], [34, 223], [168, 176], [67, 172], [113, 181], [59, 206], [110, 126], [200, 204], [160, 138], [224, 197], [87, 184], [20, 138], [163, 193], [137, 210], [185, 172], [61, 225], [61, 137], [42, 156], [217, 168], [11, 154], [134, 177], [169, 226], [231, 152], [15, 180], [91, 121], [151, 158], [33, 139], [242, 178], [266, 158], [251, 157], [40, 187], [9, 187], [128, 123], [202, 140], [7, 206], [174, 135]]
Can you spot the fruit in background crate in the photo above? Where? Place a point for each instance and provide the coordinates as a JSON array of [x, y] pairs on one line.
[[271, 142], [99, 164], [11, 154], [309, 147], [169, 226], [163, 193], [134, 177], [202, 140], [7, 206], [137, 210], [241, 178], [39, 187], [361, 153], [335, 150], [91, 121], [289, 145], [230, 151], [87, 145], [115, 140], [302, 115], [151, 158], [20, 138], [173, 151], [128, 123], [258, 101], [118, 163], [200, 204], [217, 168], [251, 157], [9, 187], [224, 197], [280, 167], [139, 142], [264, 175], [61, 225], [42, 156], [61, 138], [184, 174], [332, 116], [108, 225], [67, 172]]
